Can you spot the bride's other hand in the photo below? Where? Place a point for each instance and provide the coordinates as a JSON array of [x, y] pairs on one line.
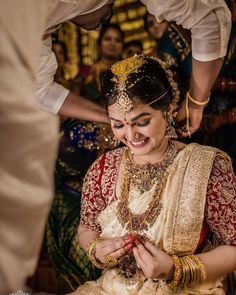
[[154, 263]]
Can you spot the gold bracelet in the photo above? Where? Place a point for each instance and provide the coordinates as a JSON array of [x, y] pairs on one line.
[[199, 103], [177, 274], [201, 266], [91, 254], [193, 271]]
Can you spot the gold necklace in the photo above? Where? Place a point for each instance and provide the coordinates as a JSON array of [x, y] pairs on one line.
[[139, 222], [144, 176]]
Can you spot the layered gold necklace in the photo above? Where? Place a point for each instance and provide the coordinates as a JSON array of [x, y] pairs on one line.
[[144, 177], [148, 177]]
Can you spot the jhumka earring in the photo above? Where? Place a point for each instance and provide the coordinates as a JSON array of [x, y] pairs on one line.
[[116, 141], [170, 130]]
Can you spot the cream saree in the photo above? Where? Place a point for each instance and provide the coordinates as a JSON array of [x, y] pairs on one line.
[[176, 229]]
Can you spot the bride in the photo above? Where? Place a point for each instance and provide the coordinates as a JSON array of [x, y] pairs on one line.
[[157, 215]]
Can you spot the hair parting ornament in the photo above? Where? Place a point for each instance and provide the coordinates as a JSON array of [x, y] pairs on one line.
[[121, 70], [124, 68]]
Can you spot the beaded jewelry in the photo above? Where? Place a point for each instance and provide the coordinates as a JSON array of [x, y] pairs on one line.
[[173, 84]]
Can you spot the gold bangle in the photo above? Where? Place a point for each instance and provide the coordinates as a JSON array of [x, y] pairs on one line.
[[186, 275], [193, 271], [199, 103], [201, 266], [177, 274], [91, 254]]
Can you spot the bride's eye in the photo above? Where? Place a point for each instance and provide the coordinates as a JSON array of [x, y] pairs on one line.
[[143, 123], [118, 126]]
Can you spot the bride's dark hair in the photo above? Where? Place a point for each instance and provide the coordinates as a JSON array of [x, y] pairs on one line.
[[146, 85]]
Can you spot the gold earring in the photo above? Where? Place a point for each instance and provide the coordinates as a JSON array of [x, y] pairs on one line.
[[170, 130]]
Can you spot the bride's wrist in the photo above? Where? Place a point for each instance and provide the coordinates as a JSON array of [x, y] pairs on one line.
[[170, 274]]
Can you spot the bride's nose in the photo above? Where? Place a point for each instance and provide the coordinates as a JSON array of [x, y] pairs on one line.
[[130, 133]]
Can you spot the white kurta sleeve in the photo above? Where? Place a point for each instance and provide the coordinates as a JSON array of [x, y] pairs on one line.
[[208, 20], [50, 94]]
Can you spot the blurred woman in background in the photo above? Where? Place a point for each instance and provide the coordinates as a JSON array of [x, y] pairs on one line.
[[173, 45]]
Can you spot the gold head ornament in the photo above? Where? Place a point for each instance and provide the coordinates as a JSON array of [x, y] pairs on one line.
[[122, 70]]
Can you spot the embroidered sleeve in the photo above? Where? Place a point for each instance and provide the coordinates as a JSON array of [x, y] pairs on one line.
[[221, 201], [99, 188], [92, 201]]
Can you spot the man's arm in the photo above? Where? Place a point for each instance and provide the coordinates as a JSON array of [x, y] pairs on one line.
[[79, 107], [210, 25], [203, 77], [55, 98]]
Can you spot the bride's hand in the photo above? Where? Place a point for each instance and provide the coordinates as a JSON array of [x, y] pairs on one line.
[[114, 247], [154, 263]]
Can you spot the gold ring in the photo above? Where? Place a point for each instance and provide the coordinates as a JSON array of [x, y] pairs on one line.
[[110, 261]]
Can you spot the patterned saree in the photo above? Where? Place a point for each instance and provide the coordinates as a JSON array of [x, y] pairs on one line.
[[183, 226]]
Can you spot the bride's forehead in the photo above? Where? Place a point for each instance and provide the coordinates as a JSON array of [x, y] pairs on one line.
[[135, 110]]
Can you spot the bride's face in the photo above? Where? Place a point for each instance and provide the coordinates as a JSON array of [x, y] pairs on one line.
[[142, 129]]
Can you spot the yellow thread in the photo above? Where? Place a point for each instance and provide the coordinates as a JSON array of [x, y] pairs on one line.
[[187, 116]]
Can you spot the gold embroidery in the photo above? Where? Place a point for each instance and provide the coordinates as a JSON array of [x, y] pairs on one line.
[[221, 201]]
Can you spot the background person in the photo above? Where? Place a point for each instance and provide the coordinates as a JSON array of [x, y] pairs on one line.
[[131, 48], [173, 45]]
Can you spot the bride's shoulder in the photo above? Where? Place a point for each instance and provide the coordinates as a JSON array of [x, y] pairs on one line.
[[180, 145]]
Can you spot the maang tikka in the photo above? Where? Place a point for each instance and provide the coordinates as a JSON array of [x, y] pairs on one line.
[[122, 70]]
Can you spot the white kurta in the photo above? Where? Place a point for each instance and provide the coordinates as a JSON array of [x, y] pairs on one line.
[[50, 94]]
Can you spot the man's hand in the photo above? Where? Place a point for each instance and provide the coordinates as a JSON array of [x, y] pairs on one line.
[[203, 77], [195, 117]]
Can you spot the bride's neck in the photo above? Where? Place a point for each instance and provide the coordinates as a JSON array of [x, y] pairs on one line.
[[154, 156]]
